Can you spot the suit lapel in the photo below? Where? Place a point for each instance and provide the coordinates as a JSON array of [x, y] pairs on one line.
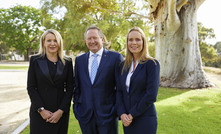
[[60, 68], [102, 63], [139, 67], [85, 65], [44, 68], [124, 78]]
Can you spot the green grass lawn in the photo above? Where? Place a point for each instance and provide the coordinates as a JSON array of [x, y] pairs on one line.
[[180, 111], [14, 67], [189, 111]]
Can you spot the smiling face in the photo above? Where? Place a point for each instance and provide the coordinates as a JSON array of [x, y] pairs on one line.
[[135, 43], [93, 40], [51, 44]]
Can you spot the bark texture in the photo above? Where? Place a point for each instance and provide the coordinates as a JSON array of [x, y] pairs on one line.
[[177, 47]]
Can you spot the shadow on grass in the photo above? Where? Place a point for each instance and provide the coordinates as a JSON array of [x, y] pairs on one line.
[[165, 93]]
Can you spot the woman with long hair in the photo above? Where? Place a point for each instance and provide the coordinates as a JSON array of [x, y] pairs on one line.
[[137, 87], [50, 86]]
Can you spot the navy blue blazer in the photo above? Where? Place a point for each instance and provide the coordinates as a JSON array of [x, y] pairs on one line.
[[100, 97], [143, 90]]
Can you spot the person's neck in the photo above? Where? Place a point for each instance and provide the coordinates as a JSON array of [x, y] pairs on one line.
[[135, 57], [52, 57]]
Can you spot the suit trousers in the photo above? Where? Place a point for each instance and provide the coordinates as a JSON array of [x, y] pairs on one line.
[[92, 127]]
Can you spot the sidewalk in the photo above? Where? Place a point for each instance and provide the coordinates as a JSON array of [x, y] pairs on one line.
[[14, 100]]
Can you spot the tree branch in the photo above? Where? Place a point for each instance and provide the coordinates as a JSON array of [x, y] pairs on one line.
[[199, 3], [120, 12], [180, 4], [33, 39], [173, 21], [153, 5]]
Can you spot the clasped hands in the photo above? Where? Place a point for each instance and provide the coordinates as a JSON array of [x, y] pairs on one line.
[[126, 119], [51, 117]]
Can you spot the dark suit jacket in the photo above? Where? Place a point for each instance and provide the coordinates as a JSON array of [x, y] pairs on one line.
[[52, 94], [143, 90], [98, 98]]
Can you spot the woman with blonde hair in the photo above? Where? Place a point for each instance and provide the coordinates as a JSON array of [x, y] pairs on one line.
[[137, 87], [50, 86]]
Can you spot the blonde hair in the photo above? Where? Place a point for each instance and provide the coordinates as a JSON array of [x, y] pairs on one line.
[[42, 50], [144, 54]]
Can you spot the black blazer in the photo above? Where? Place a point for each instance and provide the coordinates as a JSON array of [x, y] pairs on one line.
[[52, 94]]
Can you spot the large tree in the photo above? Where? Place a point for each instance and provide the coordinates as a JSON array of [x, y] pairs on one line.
[[177, 45], [19, 28], [114, 17]]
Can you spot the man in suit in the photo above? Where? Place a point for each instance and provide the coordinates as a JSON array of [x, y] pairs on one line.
[[95, 91]]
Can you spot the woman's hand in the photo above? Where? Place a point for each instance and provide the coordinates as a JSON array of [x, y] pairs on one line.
[[126, 119], [55, 116], [130, 117], [45, 114]]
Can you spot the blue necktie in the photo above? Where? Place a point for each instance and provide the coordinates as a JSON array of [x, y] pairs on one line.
[[94, 67]]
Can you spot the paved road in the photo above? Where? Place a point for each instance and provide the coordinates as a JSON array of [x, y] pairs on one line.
[[14, 100]]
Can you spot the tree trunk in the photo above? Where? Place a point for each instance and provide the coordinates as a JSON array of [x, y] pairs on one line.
[[177, 47], [27, 54]]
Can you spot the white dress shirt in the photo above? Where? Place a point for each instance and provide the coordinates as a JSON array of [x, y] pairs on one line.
[[91, 58], [130, 73]]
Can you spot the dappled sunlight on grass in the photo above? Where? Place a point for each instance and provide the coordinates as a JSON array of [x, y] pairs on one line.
[[194, 111]]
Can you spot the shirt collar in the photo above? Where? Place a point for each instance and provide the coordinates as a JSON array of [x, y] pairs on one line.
[[99, 53], [132, 64]]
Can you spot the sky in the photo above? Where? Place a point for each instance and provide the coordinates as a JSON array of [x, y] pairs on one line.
[[207, 14]]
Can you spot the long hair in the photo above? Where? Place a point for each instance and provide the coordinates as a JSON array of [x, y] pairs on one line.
[[144, 54], [42, 50]]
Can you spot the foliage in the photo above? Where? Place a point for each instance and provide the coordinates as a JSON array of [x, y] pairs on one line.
[[4, 49], [20, 28], [217, 63], [217, 46], [208, 53], [113, 17], [151, 49]]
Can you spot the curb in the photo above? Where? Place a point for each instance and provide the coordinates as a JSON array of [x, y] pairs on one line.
[[21, 127]]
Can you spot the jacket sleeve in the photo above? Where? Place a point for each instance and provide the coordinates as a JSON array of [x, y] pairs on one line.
[[76, 88], [65, 105], [153, 78], [35, 98], [120, 105], [117, 67], [119, 96]]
